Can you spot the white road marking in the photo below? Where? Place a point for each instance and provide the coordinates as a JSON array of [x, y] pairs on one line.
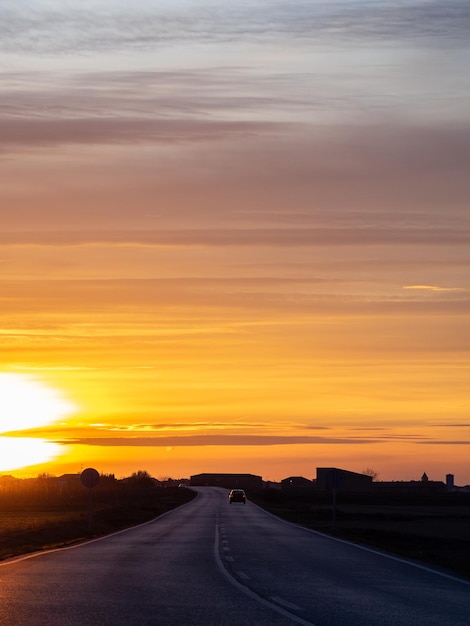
[[80, 543], [367, 549], [252, 594], [286, 603]]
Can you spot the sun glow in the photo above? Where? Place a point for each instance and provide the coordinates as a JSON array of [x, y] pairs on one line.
[[27, 403], [17, 452]]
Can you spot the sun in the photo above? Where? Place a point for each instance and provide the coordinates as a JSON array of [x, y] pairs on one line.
[[27, 403]]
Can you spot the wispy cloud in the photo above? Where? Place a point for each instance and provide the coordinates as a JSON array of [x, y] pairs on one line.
[[195, 426], [444, 442], [287, 237], [432, 288], [255, 440], [455, 425], [206, 95], [215, 440], [105, 26], [40, 133]]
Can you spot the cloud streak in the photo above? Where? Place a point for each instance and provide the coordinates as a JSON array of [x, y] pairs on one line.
[[41, 133], [431, 288], [109, 26], [288, 237], [253, 440], [214, 440]]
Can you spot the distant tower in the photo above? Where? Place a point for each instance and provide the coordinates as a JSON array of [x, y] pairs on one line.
[[450, 482], [424, 478]]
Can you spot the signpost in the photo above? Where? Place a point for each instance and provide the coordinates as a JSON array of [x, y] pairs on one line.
[[334, 480], [90, 478]]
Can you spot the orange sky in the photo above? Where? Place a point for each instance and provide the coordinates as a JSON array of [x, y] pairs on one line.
[[237, 241]]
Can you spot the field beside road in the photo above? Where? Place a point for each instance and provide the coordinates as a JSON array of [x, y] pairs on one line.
[[53, 523], [434, 531]]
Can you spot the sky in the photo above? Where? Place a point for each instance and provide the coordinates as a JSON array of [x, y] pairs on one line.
[[235, 237]]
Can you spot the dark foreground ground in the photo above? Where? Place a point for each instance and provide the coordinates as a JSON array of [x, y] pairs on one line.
[[433, 530], [35, 526]]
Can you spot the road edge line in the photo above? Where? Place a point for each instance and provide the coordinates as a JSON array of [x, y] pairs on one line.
[[387, 555], [85, 542], [249, 592]]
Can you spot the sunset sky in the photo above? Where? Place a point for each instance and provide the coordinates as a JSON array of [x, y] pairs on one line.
[[235, 237]]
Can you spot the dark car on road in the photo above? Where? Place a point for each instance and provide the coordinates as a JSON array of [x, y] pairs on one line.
[[237, 495]]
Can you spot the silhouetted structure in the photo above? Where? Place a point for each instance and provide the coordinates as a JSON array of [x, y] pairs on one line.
[[296, 484], [332, 477], [229, 481], [415, 487]]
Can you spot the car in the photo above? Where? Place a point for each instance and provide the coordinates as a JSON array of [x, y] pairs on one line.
[[236, 495]]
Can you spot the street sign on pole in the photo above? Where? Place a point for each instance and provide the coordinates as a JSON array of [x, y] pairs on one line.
[[90, 478], [334, 480]]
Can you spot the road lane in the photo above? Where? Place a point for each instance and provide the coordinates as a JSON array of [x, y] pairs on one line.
[[331, 582]]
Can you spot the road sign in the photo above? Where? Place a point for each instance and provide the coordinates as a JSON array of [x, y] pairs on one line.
[[90, 477], [335, 479]]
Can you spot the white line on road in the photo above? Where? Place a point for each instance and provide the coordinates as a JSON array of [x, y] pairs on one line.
[[252, 594], [386, 555], [286, 603], [32, 555]]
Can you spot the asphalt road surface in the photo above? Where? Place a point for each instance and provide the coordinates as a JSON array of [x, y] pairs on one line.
[[214, 563]]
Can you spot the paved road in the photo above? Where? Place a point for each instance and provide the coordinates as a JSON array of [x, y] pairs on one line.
[[211, 563], [330, 582]]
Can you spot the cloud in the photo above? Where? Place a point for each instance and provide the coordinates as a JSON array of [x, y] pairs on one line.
[[463, 425], [251, 440], [432, 288], [239, 424], [47, 132], [109, 25], [460, 442], [258, 237], [157, 309], [214, 440], [206, 94]]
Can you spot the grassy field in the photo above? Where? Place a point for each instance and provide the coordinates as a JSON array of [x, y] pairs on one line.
[[28, 528], [435, 532]]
